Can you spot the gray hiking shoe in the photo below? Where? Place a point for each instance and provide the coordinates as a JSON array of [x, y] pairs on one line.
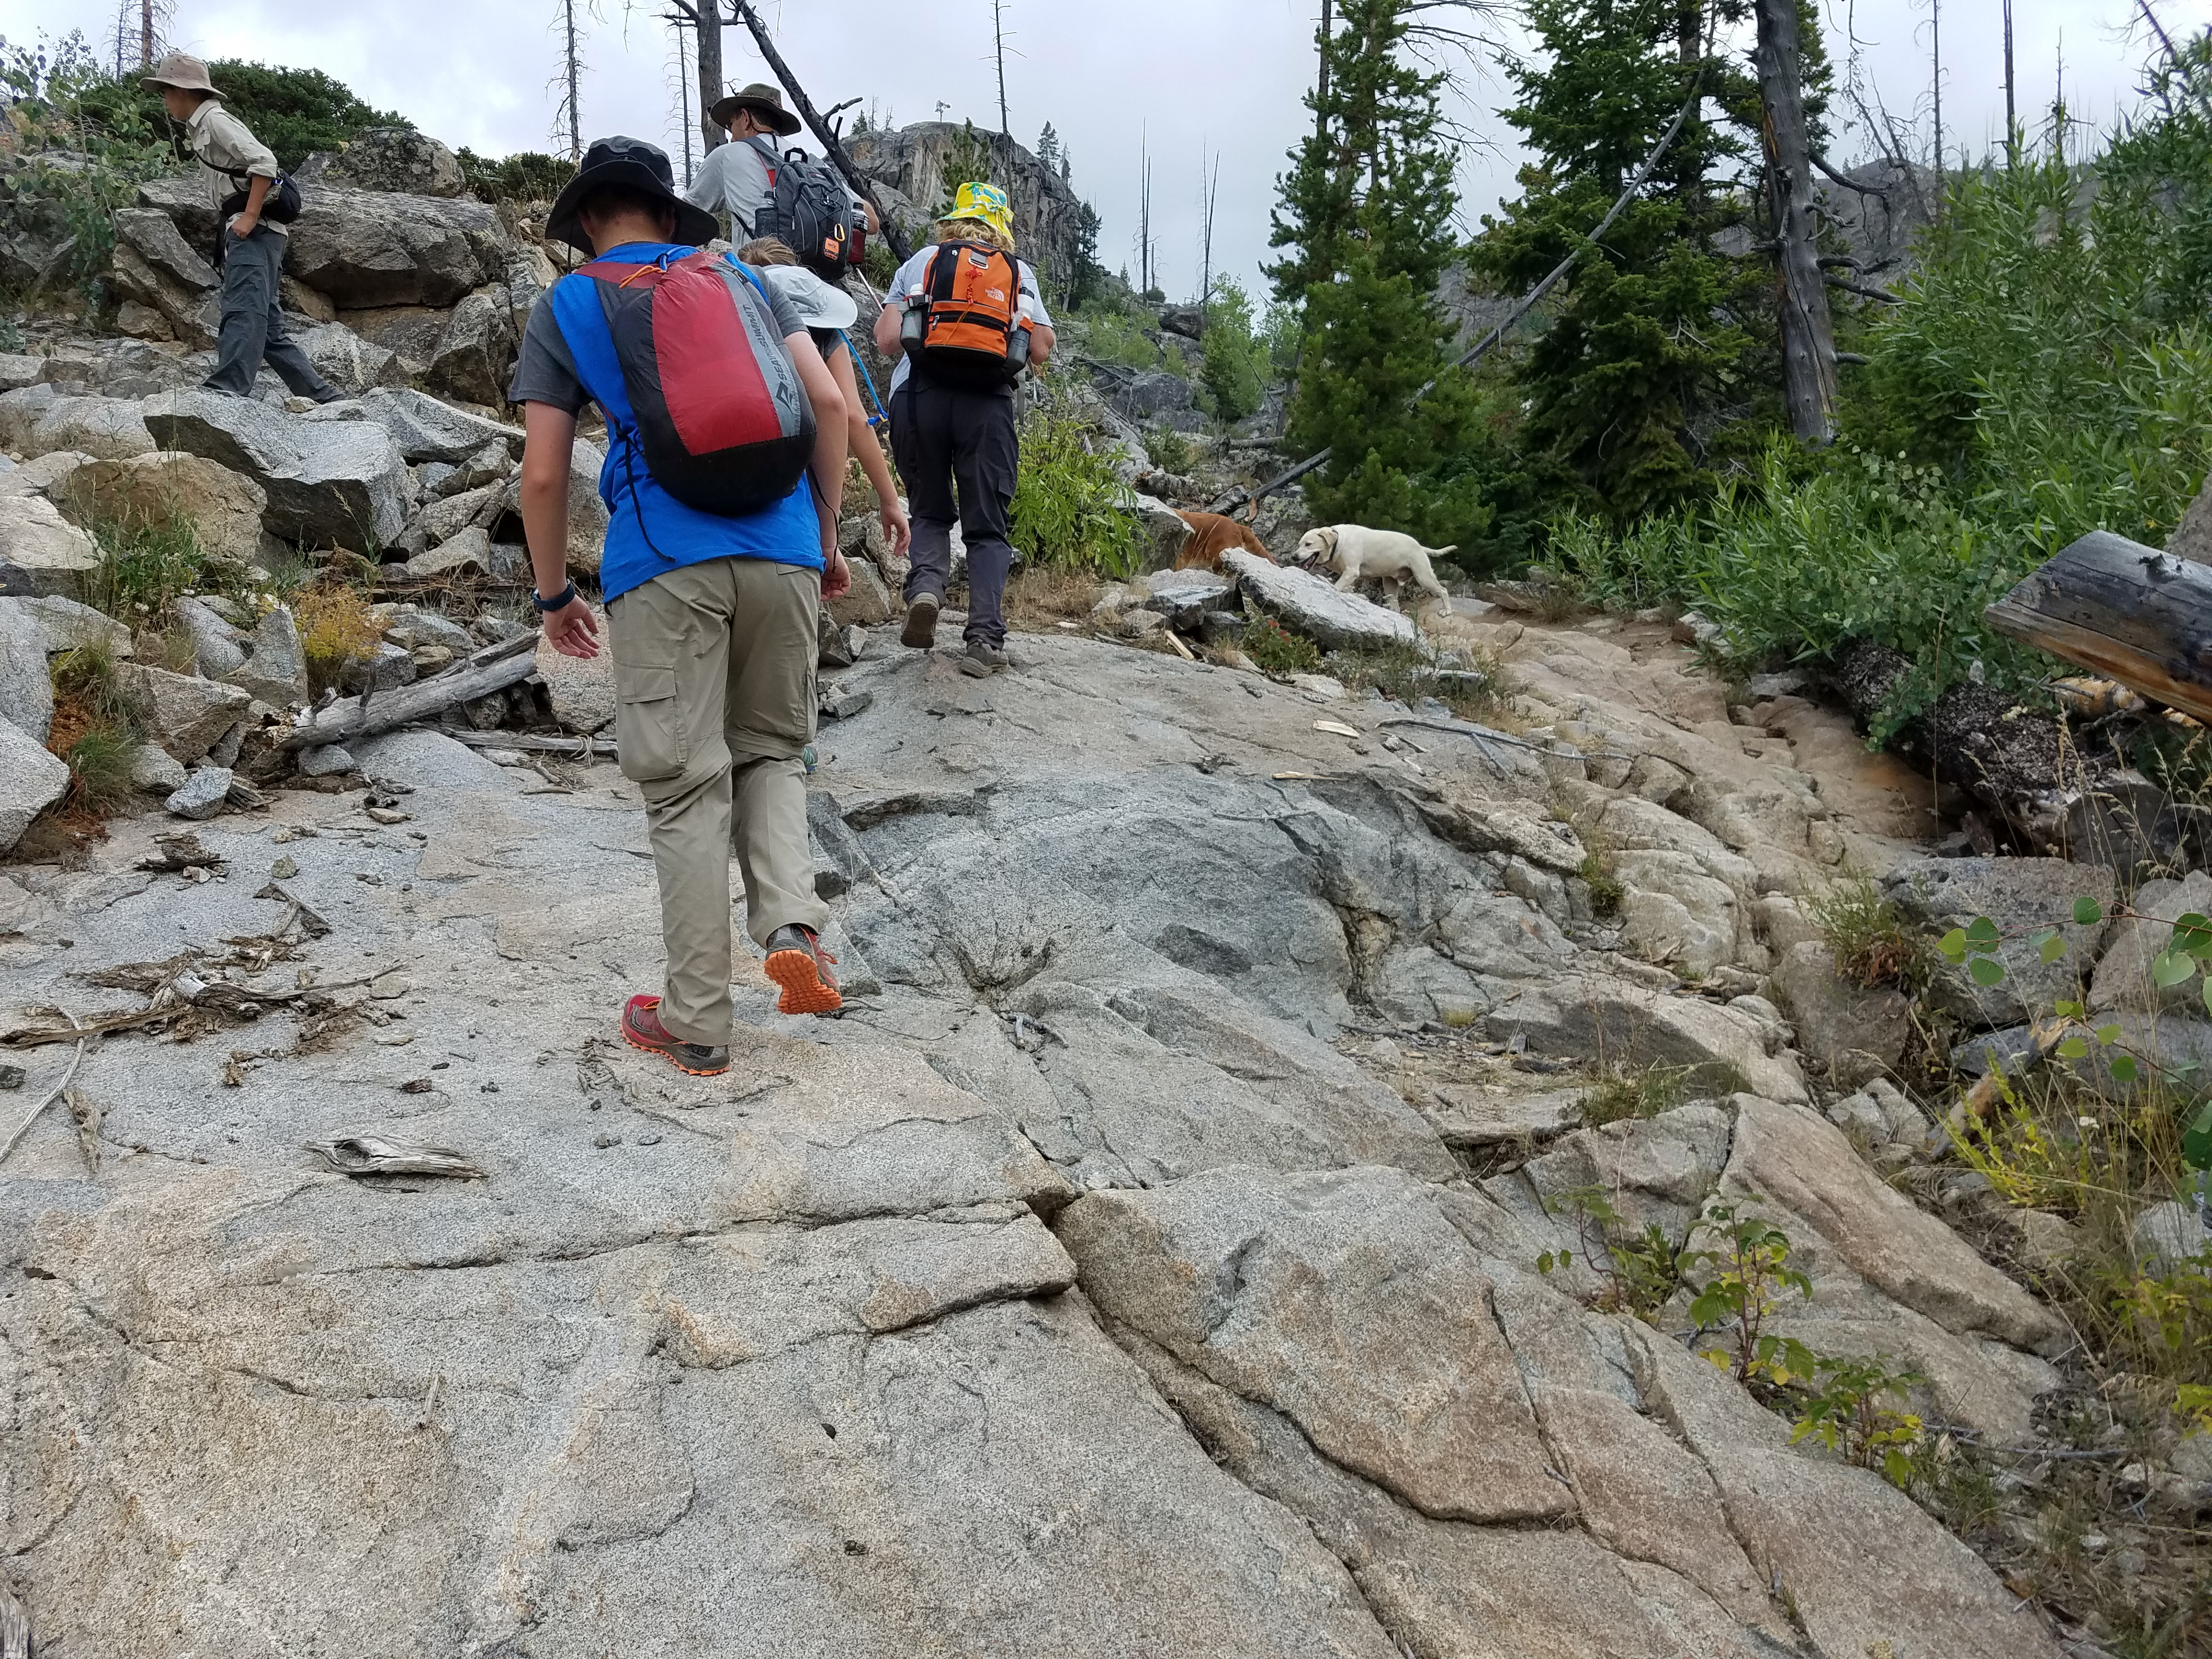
[[921, 629], [981, 660]]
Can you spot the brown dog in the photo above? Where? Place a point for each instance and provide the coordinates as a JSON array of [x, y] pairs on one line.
[[1211, 535]]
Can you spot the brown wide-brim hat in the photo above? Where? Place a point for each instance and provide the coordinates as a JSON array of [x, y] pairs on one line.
[[764, 101], [183, 71]]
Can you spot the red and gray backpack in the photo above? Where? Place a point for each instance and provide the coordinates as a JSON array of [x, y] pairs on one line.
[[691, 367]]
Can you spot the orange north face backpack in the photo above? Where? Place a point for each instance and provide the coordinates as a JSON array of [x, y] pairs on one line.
[[973, 332]]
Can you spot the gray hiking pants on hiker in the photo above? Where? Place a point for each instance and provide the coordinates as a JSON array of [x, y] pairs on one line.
[[942, 436], [252, 323]]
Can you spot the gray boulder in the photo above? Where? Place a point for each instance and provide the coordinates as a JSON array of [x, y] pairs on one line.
[[224, 508], [1184, 597], [41, 552], [328, 760], [379, 248], [37, 421], [468, 552], [218, 645], [868, 603], [156, 770], [276, 667], [2022, 896], [205, 795], [69, 625], [1854, 1033], [41, 474], [2122, 979], [347, 361], [587, 513], [2168, 1236], [183, 713], [153, 265], [31, 780], [330, 483], [474, 356], [395, 160], [490, 464], [26, 692], [440, 520], [425, 429], [1302, 601]]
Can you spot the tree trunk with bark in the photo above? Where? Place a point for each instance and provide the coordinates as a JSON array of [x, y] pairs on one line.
[[1808, 339]]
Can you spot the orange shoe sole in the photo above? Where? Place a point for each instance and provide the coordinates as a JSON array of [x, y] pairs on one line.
[[631, 1038], [800, 979]]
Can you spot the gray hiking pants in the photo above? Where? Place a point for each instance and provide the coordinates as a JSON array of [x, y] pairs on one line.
[[942, 436], [252, 323]]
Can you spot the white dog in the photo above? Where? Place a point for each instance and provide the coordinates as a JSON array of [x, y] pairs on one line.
[[1354, 552]]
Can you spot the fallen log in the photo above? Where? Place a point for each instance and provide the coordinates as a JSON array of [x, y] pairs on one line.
[[477, 675], [2128, 611]]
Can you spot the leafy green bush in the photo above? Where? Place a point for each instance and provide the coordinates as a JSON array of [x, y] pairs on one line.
[[1112, 335], [1274, 649], [2048, 373], [1069, 505], [147, 562], [86, 142], [527, 175], [297, 111]]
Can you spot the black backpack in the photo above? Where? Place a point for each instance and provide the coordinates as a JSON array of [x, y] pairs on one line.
[[810, 211]]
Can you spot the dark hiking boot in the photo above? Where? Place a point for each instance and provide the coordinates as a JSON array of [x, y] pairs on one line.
[[801, 970], [981, 659], [921, 629], [641, 1028]]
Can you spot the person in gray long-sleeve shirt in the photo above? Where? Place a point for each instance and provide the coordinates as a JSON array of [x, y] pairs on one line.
[[734, 177], [232, 158]]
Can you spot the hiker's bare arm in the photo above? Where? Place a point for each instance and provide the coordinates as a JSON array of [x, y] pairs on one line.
[[245, 223], [548, 441], [1041, 343], [828, 464], [887, 326], [862, 438]]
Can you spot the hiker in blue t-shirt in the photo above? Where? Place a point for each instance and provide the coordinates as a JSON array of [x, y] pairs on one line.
[[711, 618]]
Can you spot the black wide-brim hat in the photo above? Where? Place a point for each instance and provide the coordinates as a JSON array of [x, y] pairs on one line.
[[635, 164]]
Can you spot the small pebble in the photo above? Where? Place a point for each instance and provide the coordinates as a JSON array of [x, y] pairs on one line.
[[648, 1141], [282, 834], [388, 815], [421, 1085], [11, 1076], [283, 870], [603, 1140]]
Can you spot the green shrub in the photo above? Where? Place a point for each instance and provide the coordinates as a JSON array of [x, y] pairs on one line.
[[1069, 505], [148, 563], [66, 102], [2049, 374], [525, 176], [1276, 650], [1234, 373], [1113, 336], [1170, 449], [297, 111]]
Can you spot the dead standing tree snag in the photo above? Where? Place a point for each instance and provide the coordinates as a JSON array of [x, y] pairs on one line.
[[1808, 339]]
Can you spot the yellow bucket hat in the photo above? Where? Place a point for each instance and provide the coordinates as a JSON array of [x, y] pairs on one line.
[[986, 203]]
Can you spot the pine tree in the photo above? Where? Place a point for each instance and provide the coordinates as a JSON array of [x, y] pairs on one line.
[[1656, 333], [1047, 147], [1365, 215]]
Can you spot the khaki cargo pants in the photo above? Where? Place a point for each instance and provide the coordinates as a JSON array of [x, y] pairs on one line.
[[715, 681]]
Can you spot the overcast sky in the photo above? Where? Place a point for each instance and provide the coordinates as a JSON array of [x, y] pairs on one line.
[[1187, 77]]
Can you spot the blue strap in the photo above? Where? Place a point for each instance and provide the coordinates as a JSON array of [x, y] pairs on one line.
[[867, 380]]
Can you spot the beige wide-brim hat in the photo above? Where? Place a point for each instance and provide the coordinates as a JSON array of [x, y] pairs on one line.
[[183, 71], [764, 101]]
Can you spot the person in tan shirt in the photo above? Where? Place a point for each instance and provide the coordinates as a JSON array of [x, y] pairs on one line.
[[232, 159]]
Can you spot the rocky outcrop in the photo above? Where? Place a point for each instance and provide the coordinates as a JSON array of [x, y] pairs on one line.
[[31, 780], [1314, 607], [330, 483], [37, 420], [912, 162], [396, 161], [41, 552]]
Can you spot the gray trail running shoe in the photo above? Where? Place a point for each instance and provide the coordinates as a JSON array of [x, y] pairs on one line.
[[921, 629], [981, 660]]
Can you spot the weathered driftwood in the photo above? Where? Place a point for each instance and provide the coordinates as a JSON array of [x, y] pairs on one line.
[[477, 675], [2142, 616], [591, 747]]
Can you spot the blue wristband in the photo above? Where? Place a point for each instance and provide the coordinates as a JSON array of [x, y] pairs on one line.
[[554, 603]]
